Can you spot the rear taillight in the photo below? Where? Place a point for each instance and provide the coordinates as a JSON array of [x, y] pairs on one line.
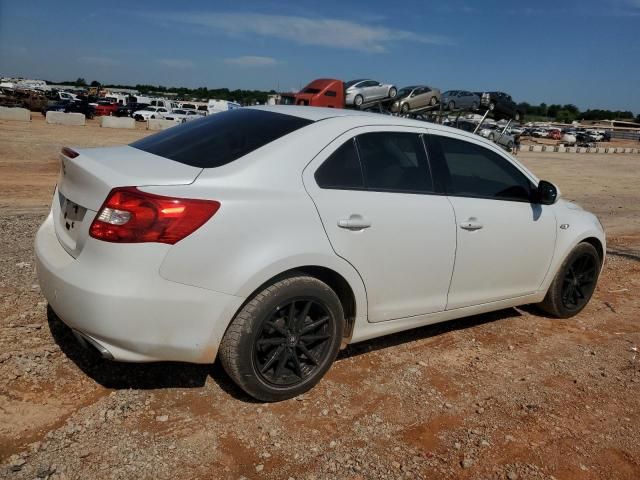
[[67, 152], [132, 216]]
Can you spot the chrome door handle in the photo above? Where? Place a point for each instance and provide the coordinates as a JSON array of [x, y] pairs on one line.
[[472, 224], [354, 222]]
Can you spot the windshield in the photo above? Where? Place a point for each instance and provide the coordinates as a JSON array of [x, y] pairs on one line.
[[149, 109], [180, 112], [404, 92]]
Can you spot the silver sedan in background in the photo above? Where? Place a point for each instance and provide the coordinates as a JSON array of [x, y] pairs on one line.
[[361, 91], [460, 99]]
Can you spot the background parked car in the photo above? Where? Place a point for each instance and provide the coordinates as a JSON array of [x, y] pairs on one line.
[[501, 104], [460, 99], [129, 109], [415, 97], [181, 115], [361, 91], [494, 133], [150, 112], [106, 108]]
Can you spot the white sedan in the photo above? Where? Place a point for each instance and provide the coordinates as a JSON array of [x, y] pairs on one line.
[[181, 115], [272, 236], [150, 112]]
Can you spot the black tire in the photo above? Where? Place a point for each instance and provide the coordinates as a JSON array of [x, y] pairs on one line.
[[358, 100], [393, 92], [265, 331], [572, 288], [452, 105], [405, 108]]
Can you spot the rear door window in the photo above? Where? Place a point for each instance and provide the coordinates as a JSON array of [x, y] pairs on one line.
[[222, 138], [341, 170]]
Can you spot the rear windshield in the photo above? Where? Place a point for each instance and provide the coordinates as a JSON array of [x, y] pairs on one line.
[[221, 138]]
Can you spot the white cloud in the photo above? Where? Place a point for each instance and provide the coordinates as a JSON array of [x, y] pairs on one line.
[[99, 61], [324, 32], [251, 61], [176, 63]]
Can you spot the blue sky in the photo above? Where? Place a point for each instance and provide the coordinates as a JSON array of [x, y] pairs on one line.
[[585, 52]]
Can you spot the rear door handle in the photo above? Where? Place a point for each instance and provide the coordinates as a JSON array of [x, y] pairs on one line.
[[471, 224], [354, 222]]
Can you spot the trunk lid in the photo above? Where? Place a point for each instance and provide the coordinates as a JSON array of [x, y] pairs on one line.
[[86, 180]]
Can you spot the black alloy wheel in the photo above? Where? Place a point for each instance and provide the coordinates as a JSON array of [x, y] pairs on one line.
[[293, 341], [579, 282], [574, 283], [284, 339]]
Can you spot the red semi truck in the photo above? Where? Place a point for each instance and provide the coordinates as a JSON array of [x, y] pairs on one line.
[[323, 92]]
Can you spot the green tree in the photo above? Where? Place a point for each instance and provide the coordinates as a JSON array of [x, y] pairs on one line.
[[95, 83], [81, 81]]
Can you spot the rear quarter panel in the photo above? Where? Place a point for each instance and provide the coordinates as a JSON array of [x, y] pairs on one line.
[[267, 223]]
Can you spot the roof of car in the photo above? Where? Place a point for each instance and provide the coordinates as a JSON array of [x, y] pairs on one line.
[[371, 118]]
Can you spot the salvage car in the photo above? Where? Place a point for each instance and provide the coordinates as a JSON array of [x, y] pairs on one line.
[[501, 104], [189, 245], [495, 134], [415, 98], [362, 91], [150, 112], [460, 99]]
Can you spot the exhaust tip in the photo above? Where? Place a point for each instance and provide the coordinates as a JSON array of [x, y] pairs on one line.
[[90, 344]]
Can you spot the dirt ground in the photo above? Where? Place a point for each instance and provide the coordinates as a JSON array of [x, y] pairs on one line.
[[510, 394]]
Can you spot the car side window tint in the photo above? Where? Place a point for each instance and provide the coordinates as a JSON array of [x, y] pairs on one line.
[[475, 171], [329, 93], [394, 161], [342, 169]]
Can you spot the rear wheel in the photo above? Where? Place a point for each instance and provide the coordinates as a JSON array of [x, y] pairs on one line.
[[284, 340], [358, 100], [433, 101], [574, 283], [392, 92]]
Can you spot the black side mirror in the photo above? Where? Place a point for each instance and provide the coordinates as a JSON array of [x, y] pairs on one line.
[[547, 193]]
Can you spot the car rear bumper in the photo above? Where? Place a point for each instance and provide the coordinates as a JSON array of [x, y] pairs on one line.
[[113, 297]]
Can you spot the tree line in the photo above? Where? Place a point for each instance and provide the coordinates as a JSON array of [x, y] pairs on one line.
[[568, 113]]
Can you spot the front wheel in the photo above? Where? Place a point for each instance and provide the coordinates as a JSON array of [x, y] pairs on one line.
[[284, 339], [574, 283], [405, 108], [358, 100], [452, 105]]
